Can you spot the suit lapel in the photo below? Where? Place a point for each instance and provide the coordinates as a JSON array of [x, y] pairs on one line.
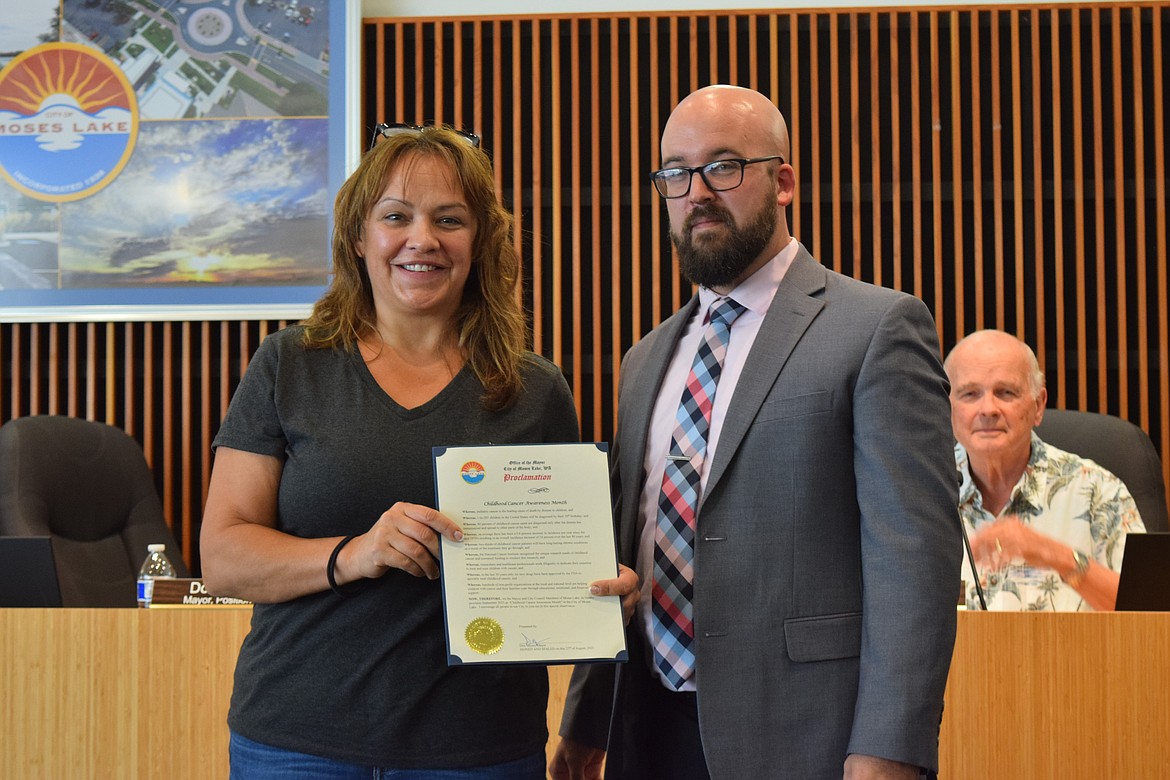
[[636, 404], [793, 309]]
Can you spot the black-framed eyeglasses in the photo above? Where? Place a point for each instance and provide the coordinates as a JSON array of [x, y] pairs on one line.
[[719, 175], [388, 130]]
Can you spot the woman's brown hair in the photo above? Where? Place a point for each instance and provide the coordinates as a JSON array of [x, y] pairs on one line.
[[490, 325]]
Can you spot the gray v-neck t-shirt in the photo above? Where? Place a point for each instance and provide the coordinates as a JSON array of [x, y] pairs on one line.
[[364, 678]]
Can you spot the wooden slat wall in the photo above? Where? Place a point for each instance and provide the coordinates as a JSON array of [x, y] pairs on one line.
[[167, 384], [1006, 165]]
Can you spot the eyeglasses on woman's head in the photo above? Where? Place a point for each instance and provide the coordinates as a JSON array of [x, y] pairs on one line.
[[389, 130]]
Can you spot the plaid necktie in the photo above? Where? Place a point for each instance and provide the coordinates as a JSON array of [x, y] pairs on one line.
[[674, 534]]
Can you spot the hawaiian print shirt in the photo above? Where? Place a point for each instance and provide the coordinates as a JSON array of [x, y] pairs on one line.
[[1063, 496]]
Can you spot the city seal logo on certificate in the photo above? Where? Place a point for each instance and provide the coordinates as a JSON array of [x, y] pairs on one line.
[[484, 635], [472, 472]]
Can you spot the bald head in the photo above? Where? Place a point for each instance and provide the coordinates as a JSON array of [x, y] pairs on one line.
[[758, 126], [986, 345]]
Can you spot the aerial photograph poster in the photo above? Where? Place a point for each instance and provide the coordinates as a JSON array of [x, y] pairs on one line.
[[171, 160]]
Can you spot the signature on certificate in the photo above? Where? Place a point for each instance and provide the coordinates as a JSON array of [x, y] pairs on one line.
[[531, 642]]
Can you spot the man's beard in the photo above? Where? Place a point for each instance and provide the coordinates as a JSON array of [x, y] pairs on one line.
[[721, 261]]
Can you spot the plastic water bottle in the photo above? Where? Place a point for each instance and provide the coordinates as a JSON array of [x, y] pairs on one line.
[[156, 566]]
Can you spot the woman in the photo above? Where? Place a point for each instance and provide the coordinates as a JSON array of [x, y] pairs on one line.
[[318, 508]]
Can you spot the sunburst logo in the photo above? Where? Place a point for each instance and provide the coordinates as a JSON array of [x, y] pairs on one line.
[[68, 122], [472, 472]]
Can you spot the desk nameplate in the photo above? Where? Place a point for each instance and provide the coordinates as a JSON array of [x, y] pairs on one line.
[[189, 592]]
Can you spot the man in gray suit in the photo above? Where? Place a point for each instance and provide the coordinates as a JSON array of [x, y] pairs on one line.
[[794, 523]]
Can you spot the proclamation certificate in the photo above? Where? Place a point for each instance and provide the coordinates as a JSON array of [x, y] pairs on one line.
[[537, 529]]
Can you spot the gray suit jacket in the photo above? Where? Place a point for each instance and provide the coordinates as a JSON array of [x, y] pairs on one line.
[[828, 543]]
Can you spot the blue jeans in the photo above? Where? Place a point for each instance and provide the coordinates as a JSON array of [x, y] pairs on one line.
[[255, 761]]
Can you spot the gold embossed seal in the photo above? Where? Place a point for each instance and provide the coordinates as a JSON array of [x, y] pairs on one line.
[[484, 635]]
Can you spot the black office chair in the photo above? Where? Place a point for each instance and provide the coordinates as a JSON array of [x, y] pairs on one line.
[[1119, 446], [87, 486]]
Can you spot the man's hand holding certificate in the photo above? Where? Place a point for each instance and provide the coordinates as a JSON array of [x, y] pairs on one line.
[[537, 530]]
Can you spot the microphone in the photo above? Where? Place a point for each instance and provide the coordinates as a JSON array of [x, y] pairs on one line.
[[971, 562]]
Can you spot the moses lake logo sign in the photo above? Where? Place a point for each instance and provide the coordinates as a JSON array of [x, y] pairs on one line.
[[68, 122]]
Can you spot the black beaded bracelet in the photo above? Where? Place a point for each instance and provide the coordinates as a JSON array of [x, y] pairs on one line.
[[329, 575]]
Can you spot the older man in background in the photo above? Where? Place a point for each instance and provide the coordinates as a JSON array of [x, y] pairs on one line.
[[1047, 527]]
